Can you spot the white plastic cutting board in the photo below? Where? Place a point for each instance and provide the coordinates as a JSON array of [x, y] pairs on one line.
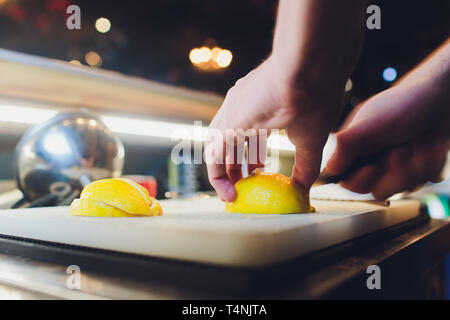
[[200, 230]]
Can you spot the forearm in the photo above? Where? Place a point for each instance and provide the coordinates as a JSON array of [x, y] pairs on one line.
[[317, 42], [435, 69], [430, 82]]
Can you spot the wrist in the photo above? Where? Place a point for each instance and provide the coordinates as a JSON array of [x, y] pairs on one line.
[[308, 88], [311, 105], [315, 78]]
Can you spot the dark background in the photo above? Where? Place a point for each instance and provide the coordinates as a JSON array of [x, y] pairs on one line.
[[152, 39]]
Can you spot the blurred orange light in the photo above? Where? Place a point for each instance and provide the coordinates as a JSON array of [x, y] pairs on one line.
[[93, 59], [210, 59], [201, 55], [215, 52]]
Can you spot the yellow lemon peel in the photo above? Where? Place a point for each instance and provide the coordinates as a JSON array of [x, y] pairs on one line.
[[91, 208], [115, 198], [269, 193]]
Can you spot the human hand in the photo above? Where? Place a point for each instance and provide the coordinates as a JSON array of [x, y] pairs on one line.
[[408, 126], [299, 87], [263, 99]]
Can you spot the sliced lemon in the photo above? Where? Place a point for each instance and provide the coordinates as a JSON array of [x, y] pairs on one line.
[[115, 198], [269, 193], [156, 207], [91, 208], [123, 194]]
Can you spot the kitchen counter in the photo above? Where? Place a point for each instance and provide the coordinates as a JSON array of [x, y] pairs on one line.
[[410, 257]]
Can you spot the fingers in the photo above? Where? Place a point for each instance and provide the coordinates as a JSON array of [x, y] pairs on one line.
[[352, 144], [217, 170], [257, 151], [410, 113], [234, 155], [401, 169], [441, 149], [383, 121], [363, 180], [234, 172], [307, 166], [225, 157], [400, 175], [221, 183]]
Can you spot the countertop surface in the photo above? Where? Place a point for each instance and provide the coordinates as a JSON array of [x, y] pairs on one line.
[[403, 253], [199, 230]]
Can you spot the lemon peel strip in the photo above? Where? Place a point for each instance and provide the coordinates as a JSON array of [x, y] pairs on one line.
[[155, 208], [138, 188], [105, 205], [102, 204]]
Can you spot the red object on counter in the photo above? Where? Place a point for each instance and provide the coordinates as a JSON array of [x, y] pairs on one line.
[[148, 182]]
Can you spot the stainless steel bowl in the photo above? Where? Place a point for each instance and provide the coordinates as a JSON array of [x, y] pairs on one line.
[[68, 148]]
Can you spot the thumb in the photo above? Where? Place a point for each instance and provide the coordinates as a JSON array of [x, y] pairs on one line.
[[309, 145], [307, 166]]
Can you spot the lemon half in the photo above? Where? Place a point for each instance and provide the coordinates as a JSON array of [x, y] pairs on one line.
[[269, 193], [115, 198]]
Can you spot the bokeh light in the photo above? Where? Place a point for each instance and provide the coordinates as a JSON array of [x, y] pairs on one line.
[[93, 59], [75, 62], [103, 25], [348, 85], [201, 55], [206, 54], [195, 56], [208, 59], [215, 52], [224, 58], [389, 74]]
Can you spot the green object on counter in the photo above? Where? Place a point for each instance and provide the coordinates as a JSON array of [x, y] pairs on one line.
[[173, 183], [438, 205]]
